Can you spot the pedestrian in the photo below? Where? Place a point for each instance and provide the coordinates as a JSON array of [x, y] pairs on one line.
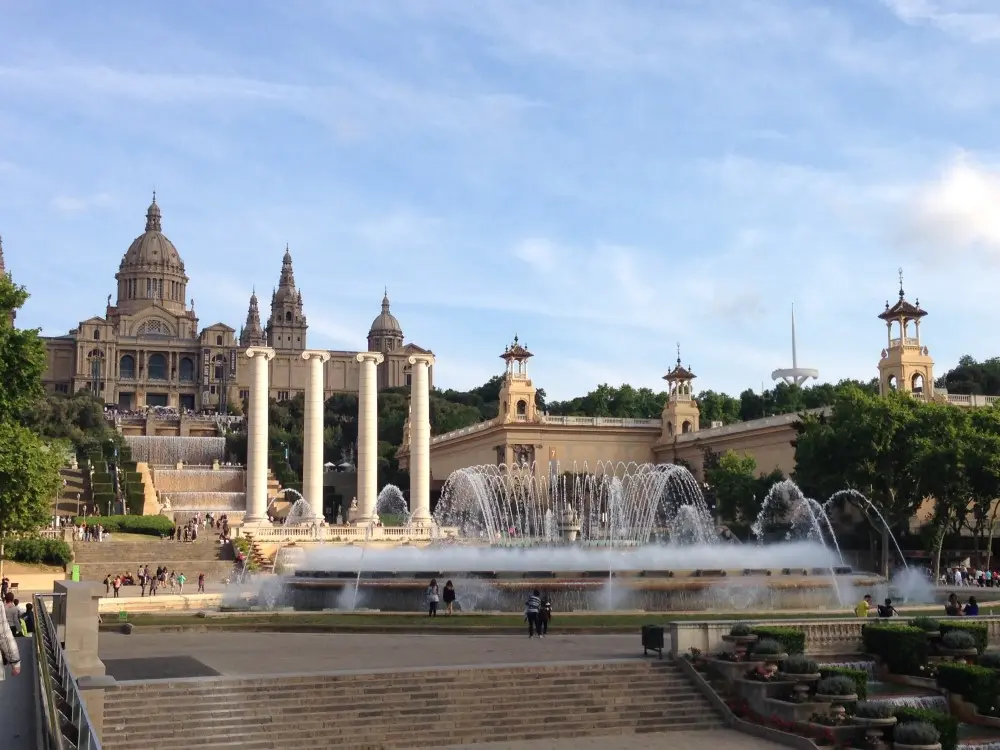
[[544, 615], [449, 598], [9, 650], [201, 583], [433, 594], [180, 582], [531, 609], [116, 584]]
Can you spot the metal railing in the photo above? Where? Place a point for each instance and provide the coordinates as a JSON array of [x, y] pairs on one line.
[[63, 720]]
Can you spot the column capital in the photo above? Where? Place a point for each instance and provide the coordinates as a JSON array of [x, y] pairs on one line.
[[264, 352], [373, 357], [427, 359], [321, 354]]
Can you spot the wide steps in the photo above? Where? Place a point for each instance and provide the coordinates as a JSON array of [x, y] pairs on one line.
[[406, 709]]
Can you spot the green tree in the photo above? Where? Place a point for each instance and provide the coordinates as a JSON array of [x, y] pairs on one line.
[[983, 467], [733, 481], [77, 419], [29, 467], [972, 377]]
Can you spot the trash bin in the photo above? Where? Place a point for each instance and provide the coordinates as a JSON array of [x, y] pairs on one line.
[[652, 639]]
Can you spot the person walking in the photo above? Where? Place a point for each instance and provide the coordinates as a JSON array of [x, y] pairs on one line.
[[449, 598], [544, 615], [433, 594], [8, 649], [531, 610]]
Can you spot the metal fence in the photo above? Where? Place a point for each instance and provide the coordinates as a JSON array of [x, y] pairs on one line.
[[62, 716]]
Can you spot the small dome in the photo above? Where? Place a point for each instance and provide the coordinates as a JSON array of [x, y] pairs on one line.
[[386, 322], [152, 248]]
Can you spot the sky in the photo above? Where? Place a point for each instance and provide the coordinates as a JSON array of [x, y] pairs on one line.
[[606, 179]]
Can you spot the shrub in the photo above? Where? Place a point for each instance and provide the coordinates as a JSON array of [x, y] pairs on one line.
[[946, 724], [902, 648], [151, 525], [974, 683], [767, 647], [859, 676], [37, 550], [792, 640], [927, 624], [958, 639], [872, 710], [977, 630], [836, 685], [741, 629], [990, 660], [799, 664], [916, 733]]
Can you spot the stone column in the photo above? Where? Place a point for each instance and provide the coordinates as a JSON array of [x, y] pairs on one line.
[[368, 435], [312, 466], [75, 606], [420, 439], [259, 356]]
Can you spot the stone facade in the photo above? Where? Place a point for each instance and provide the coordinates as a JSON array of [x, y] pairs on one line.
[[147, 348]]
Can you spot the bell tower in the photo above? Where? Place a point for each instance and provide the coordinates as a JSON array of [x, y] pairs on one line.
[[680, 413], [517, 394], [906, 365]]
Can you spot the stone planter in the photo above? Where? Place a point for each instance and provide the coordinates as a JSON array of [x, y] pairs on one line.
[[731, 671], [789, 677], [958, 654], [740, 640], [875, 723], [790, 711], [852, 698], [900, 746], [772, 659]]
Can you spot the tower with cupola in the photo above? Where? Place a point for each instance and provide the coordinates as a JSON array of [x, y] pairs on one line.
[[906, 364], [517, 392], [680, 412]]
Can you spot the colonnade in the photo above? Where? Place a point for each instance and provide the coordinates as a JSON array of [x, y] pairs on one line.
[[367, 456]]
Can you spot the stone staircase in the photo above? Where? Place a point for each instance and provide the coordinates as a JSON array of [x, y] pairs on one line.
[[75, 484], [97, 559], [423, 708]]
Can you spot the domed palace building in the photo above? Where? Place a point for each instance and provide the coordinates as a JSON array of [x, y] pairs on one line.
[[148, 350]]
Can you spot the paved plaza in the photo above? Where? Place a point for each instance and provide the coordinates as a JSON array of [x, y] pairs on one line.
[[289, 653], [718, 739]]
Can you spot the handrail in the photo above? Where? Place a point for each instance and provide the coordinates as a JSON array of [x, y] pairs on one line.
[[65, 721]]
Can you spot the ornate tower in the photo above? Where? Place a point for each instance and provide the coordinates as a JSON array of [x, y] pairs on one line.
[[385, 334], [151, 273], [906, 364], [286, 328], [517, 394], [252, 334], [680, 413]]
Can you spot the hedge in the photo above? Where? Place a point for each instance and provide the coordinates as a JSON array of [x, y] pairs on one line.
[[859, 676], [977, 630], [34, 549], [946, 724], [974, 683], [151, 525], [792, 640], [902, 648]]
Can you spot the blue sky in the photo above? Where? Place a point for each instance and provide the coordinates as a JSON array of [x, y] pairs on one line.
[[604, 178]]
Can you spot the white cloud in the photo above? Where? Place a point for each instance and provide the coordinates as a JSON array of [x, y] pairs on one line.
[[958, 211], [68, 204], [974, 20]]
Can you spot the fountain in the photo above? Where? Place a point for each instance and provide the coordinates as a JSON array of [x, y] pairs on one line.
[[303, 511], [300, 514], [164, 450], [392, 504], [634, 536]]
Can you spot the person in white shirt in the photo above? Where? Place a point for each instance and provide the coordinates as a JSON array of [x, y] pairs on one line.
[[8, 643]]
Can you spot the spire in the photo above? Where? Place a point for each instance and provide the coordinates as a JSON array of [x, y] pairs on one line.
[[385, 300], [901, 292], [252, 333], [794, 375], [153, 216], [678, 353], [287, 280]]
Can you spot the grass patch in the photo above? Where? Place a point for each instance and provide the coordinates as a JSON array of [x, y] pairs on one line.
[[420, 622]]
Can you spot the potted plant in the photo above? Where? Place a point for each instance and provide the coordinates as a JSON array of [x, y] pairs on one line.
[[769, 651], [957, 643], [916, 735], [801, 670], [741, 637], [836, 689], [928, 624], [872, 714]]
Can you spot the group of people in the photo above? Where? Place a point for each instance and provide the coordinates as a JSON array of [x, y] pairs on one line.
[[90, 532], [953, 608], [537, 608], [964, 576]]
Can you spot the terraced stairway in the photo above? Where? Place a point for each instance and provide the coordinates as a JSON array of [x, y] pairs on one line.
[[97, 559], [413, 709], [74, 483]]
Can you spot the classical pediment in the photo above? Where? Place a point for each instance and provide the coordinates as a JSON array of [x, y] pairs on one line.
[[408, 349], [219, 327]]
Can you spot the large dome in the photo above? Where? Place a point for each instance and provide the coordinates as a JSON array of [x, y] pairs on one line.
[[152, 249], [385, 322]]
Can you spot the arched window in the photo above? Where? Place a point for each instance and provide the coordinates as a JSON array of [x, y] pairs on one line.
[[185, 370], [126, 367], [670, 428], [288, 317], [220, 367], [97, 334], [917, 383], [891, 382], [686, 427], [218, 340], [522, 408], [157, 367]]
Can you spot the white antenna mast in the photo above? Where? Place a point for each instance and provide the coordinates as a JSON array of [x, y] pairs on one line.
[[795, 375]]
